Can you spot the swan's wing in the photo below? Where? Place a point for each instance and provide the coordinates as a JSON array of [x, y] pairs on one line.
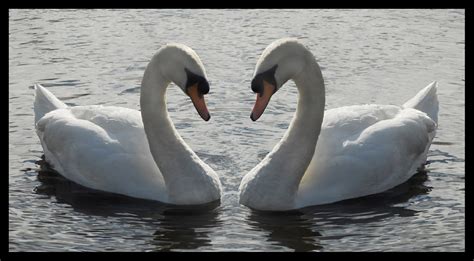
[[343, 123], [350, 120], [364, 150], [103, 148], [121, 124]]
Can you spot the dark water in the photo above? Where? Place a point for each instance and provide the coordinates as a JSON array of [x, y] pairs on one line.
[[367, 56]]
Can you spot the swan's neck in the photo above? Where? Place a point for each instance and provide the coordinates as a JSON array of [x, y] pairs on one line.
[[187, 178], [281, 171]]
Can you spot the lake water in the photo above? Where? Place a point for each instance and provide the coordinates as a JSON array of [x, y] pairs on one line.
[[90, 57]]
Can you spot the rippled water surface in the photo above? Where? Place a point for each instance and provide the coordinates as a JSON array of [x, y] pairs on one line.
[[367, 56]]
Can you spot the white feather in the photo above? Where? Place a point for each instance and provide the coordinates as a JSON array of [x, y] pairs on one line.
[[342, 153], [106, 148]]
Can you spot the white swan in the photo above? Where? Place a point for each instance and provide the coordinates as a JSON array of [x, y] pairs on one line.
[[123, 151], [355, 151]]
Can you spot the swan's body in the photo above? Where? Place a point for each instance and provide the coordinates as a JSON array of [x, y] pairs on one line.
[[338, 154], [125, 151]]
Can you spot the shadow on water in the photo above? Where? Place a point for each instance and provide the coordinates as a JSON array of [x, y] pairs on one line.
[[184, 230], [187, 228], [290, 229], [302, 230], [176, 227]]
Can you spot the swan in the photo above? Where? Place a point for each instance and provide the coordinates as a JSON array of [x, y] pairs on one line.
[[337, 154], [128, 152]]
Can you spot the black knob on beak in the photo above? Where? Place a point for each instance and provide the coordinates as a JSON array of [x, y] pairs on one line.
[[192, 79], [268, 76], [203, 86], [256, 84]]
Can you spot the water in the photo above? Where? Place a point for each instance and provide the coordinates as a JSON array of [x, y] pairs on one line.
[[367, 56]]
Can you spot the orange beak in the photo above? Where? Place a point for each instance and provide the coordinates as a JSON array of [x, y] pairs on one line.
[[262, 100], [198, 102]]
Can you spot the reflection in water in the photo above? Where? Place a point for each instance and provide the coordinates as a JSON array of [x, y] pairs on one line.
[[176, 227], [303, 229], [187, 228], [184, 230], [290, 229]]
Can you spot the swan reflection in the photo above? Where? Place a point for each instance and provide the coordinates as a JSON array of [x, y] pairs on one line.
[[304, 229], [171, 227]]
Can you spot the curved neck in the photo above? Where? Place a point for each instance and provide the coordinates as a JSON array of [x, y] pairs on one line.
[[288, 161], [185, 175]]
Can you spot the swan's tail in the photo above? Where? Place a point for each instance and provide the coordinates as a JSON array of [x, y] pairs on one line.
[[45, 102], [426, 101]]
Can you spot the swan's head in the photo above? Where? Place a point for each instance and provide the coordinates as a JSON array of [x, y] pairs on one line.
[[181, 65], [280, 61]]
